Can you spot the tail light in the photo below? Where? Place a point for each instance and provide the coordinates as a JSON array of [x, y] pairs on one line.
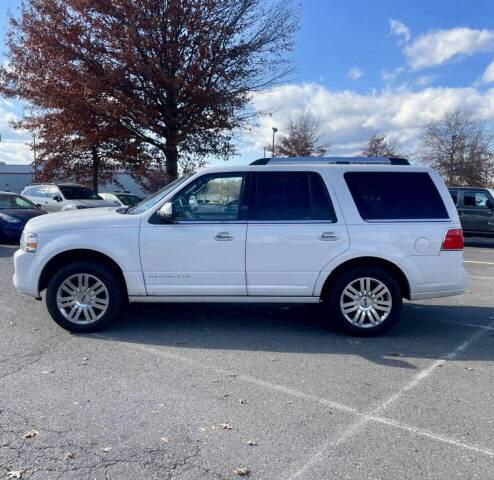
[[453, 239]]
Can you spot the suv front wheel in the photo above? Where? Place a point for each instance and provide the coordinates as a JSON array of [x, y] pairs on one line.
[[364, 301], [84, 297]]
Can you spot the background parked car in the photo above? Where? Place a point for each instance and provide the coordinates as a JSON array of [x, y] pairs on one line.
[[65, 196], [122, 198], [476, 209], [15, 211]]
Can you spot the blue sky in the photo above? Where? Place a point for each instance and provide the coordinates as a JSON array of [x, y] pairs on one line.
[[362, 68]]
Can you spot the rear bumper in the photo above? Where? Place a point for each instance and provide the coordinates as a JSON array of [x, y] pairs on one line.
[[432, 276]]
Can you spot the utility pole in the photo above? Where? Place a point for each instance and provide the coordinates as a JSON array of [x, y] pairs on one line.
[[274, 131]]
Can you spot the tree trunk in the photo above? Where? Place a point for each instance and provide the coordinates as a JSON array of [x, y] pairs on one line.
[[95, 168], [171, 155]]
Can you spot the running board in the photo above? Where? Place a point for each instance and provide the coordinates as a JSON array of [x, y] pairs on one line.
[[220, 299]]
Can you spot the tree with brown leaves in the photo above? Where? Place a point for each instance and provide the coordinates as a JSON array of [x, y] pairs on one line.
[[380, 146], [174, 75], [460, 148], [302, 139]]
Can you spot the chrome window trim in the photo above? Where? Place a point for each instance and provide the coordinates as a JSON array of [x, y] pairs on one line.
[[409, 220]]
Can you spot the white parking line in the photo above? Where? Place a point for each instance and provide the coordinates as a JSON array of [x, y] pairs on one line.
[[481, 263], [364, 420]]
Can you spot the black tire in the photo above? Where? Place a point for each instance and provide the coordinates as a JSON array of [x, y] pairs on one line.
[[95, 270], [367, 329]]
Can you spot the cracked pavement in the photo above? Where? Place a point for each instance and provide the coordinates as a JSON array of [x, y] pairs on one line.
[[147, 398]]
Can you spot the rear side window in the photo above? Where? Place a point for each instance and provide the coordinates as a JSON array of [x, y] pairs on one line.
[[454, 196], [396, 196], [291, 196], [475, 199]]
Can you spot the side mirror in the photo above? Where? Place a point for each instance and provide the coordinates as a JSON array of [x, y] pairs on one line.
[[57, 198], [166, 212]]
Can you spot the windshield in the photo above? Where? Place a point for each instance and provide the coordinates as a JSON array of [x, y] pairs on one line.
[[14, 201], [129, 200], [156, 197], [73, 192]]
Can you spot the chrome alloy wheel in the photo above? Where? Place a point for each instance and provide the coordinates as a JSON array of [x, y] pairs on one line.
[[366, 302], [82, 298]]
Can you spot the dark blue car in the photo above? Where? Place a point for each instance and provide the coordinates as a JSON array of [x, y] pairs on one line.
[[15, 211]]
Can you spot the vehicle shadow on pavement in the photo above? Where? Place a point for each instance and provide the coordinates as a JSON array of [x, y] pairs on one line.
[[423, 331], [479, 242], [8, 248]]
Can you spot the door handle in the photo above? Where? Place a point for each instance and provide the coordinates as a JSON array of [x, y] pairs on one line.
[[329, 236], [223, 236]]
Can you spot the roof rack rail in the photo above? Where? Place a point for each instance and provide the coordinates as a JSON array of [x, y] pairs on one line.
[[334, 160]]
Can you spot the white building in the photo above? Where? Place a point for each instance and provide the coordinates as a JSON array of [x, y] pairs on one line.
[[13, 178]]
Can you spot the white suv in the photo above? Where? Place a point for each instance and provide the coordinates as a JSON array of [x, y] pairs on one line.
[[356, 234], [64, 196]]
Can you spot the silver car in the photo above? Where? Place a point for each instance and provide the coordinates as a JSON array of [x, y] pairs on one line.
[[64, 196]]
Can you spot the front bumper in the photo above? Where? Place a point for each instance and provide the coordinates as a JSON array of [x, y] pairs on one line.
[[25, 274]]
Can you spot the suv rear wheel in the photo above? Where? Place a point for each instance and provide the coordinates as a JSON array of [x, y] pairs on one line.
[[364, 301], [84, 297]]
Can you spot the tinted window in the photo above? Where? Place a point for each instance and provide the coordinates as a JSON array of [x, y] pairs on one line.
[[291, 196], [210, 198], [454, 196], [73, 192], [475, 199], [395, 196]]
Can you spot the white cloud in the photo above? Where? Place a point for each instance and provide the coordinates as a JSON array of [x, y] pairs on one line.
[[348, 118], [354, 73], [437, 47], [488, 75], [399, 29], [425, 80], [388, 76]]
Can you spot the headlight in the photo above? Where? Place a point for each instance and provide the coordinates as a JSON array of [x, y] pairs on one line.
[[9, 218], [29, 242]]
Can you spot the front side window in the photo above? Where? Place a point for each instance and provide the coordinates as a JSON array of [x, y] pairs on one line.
[[214, 197], [475, 199], [396, 196], [291, 196]]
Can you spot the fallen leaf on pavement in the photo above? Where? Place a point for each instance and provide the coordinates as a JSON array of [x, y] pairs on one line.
[[396, 354], [232, 375], [154, 412], [69, 455], [243, 471], [106, 449], [15, 474], [31, 434], [214, 427], [242, 401], [251, 443], [226, 426], [470, 368], [164, 439], [226, 395], [202, 429]]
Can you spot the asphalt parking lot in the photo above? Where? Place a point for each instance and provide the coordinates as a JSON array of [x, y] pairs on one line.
[[197, 391]]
